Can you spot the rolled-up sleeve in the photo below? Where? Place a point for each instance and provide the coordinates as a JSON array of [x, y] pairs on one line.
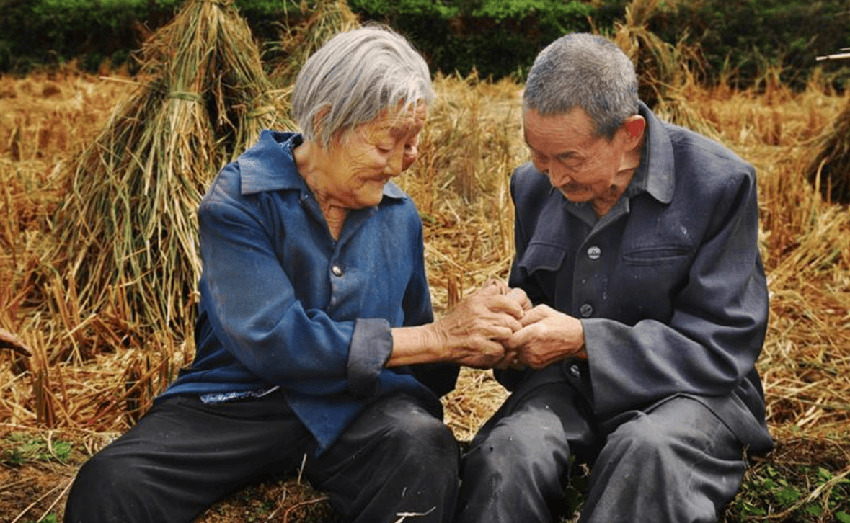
[[371, 346]]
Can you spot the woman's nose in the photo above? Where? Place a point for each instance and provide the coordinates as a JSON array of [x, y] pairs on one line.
[[395, 162]]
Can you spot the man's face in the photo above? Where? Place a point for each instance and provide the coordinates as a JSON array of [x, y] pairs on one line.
[[581, 165]]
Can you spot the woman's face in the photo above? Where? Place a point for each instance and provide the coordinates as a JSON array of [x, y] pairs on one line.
[[365, 158]]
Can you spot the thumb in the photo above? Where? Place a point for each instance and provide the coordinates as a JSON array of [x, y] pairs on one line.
[[534, 315]]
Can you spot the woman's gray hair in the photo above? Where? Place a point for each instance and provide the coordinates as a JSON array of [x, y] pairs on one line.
[[353, 77], [587, 71]]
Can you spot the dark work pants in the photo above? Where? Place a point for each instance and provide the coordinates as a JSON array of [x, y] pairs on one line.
[[673, 462], [182, 456]]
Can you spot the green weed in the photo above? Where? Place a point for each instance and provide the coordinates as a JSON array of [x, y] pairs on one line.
[[25, 448], [801, 493]]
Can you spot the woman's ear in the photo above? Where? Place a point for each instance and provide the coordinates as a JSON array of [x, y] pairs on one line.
[[319, 121]]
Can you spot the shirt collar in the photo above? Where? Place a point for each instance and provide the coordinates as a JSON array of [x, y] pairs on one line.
[[270, 166]]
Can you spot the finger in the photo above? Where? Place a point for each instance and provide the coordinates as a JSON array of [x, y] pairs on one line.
[[493, 286], [518, 340], [490, 354], [500, 334], [502, 320], [509, 361], [519, 296], [505, 304], [535, 315]]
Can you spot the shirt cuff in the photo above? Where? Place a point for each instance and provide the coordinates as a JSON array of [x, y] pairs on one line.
[[371, 346]]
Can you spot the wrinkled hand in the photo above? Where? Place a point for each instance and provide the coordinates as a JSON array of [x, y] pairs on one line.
[[546, 336], [474, 331], [499, 287]]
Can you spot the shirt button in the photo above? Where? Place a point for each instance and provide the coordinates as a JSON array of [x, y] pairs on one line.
[[574, 370], [336, 270], [594, 252], [586, 310]]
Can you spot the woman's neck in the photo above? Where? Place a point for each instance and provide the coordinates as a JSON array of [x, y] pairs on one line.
[[312, 163]]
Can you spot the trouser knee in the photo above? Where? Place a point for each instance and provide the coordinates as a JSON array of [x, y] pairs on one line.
[[105, 490], [425, 444]]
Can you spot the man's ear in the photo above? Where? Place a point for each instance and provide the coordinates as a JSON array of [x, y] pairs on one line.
[[635, 127]]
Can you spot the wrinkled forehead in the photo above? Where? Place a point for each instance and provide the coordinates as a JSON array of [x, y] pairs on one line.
[[400, 122]]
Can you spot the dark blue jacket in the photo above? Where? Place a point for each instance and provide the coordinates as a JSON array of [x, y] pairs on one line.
[[284, 304], [669, 284]]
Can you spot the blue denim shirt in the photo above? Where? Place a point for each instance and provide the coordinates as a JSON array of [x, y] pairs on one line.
[[668, 285], [285, 304]]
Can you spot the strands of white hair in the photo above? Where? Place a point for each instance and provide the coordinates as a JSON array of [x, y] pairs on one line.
[[353, 77], [587, 71]]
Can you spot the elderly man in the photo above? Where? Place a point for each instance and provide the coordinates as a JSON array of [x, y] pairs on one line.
[[637, 242]]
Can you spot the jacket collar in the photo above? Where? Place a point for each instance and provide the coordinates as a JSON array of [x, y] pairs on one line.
[[655, 173], [270, 166]]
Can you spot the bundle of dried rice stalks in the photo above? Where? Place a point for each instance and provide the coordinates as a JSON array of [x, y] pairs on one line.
[[314, 28], [664, 72], [126, 234], [829, 171]]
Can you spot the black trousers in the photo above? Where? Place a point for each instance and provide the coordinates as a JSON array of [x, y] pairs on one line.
[[671, 462], [183, 455]]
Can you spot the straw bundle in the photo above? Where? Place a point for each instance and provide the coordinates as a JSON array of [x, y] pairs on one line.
[[127, 232], [299, 41], [664, 74], [830, 169]]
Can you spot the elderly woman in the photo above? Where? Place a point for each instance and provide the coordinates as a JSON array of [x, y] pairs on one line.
[[317, 353]]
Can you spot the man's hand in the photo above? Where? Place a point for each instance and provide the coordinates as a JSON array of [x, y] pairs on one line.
[[473, 333], [546, 336]]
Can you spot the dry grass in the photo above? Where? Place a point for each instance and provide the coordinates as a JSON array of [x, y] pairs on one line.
[[124, 237], [91, 373], [299, 41], [829, 171]]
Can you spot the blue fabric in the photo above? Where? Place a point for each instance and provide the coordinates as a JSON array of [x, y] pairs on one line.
[[669, 284], [283, 303]]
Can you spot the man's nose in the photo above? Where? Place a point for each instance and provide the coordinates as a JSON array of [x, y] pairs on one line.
[[557, 177]]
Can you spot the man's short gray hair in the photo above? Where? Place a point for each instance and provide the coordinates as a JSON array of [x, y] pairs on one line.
[[354, 76], [587, 71]]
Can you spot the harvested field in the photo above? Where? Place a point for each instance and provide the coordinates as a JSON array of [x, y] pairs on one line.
[[90, 374]]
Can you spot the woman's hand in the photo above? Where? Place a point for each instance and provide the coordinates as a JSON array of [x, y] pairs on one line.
[[473, 333]]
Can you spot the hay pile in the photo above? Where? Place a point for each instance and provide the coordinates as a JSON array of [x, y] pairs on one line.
[[126, 232], [300, 40], [829, 171], [666, 73]]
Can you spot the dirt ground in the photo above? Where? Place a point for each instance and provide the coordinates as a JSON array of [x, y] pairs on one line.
[[35, 489]]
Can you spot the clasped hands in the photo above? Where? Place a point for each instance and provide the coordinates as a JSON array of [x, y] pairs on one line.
[[497, 326]]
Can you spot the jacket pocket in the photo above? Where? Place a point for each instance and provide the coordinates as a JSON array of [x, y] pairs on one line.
[[542, 256], [655, 255]]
